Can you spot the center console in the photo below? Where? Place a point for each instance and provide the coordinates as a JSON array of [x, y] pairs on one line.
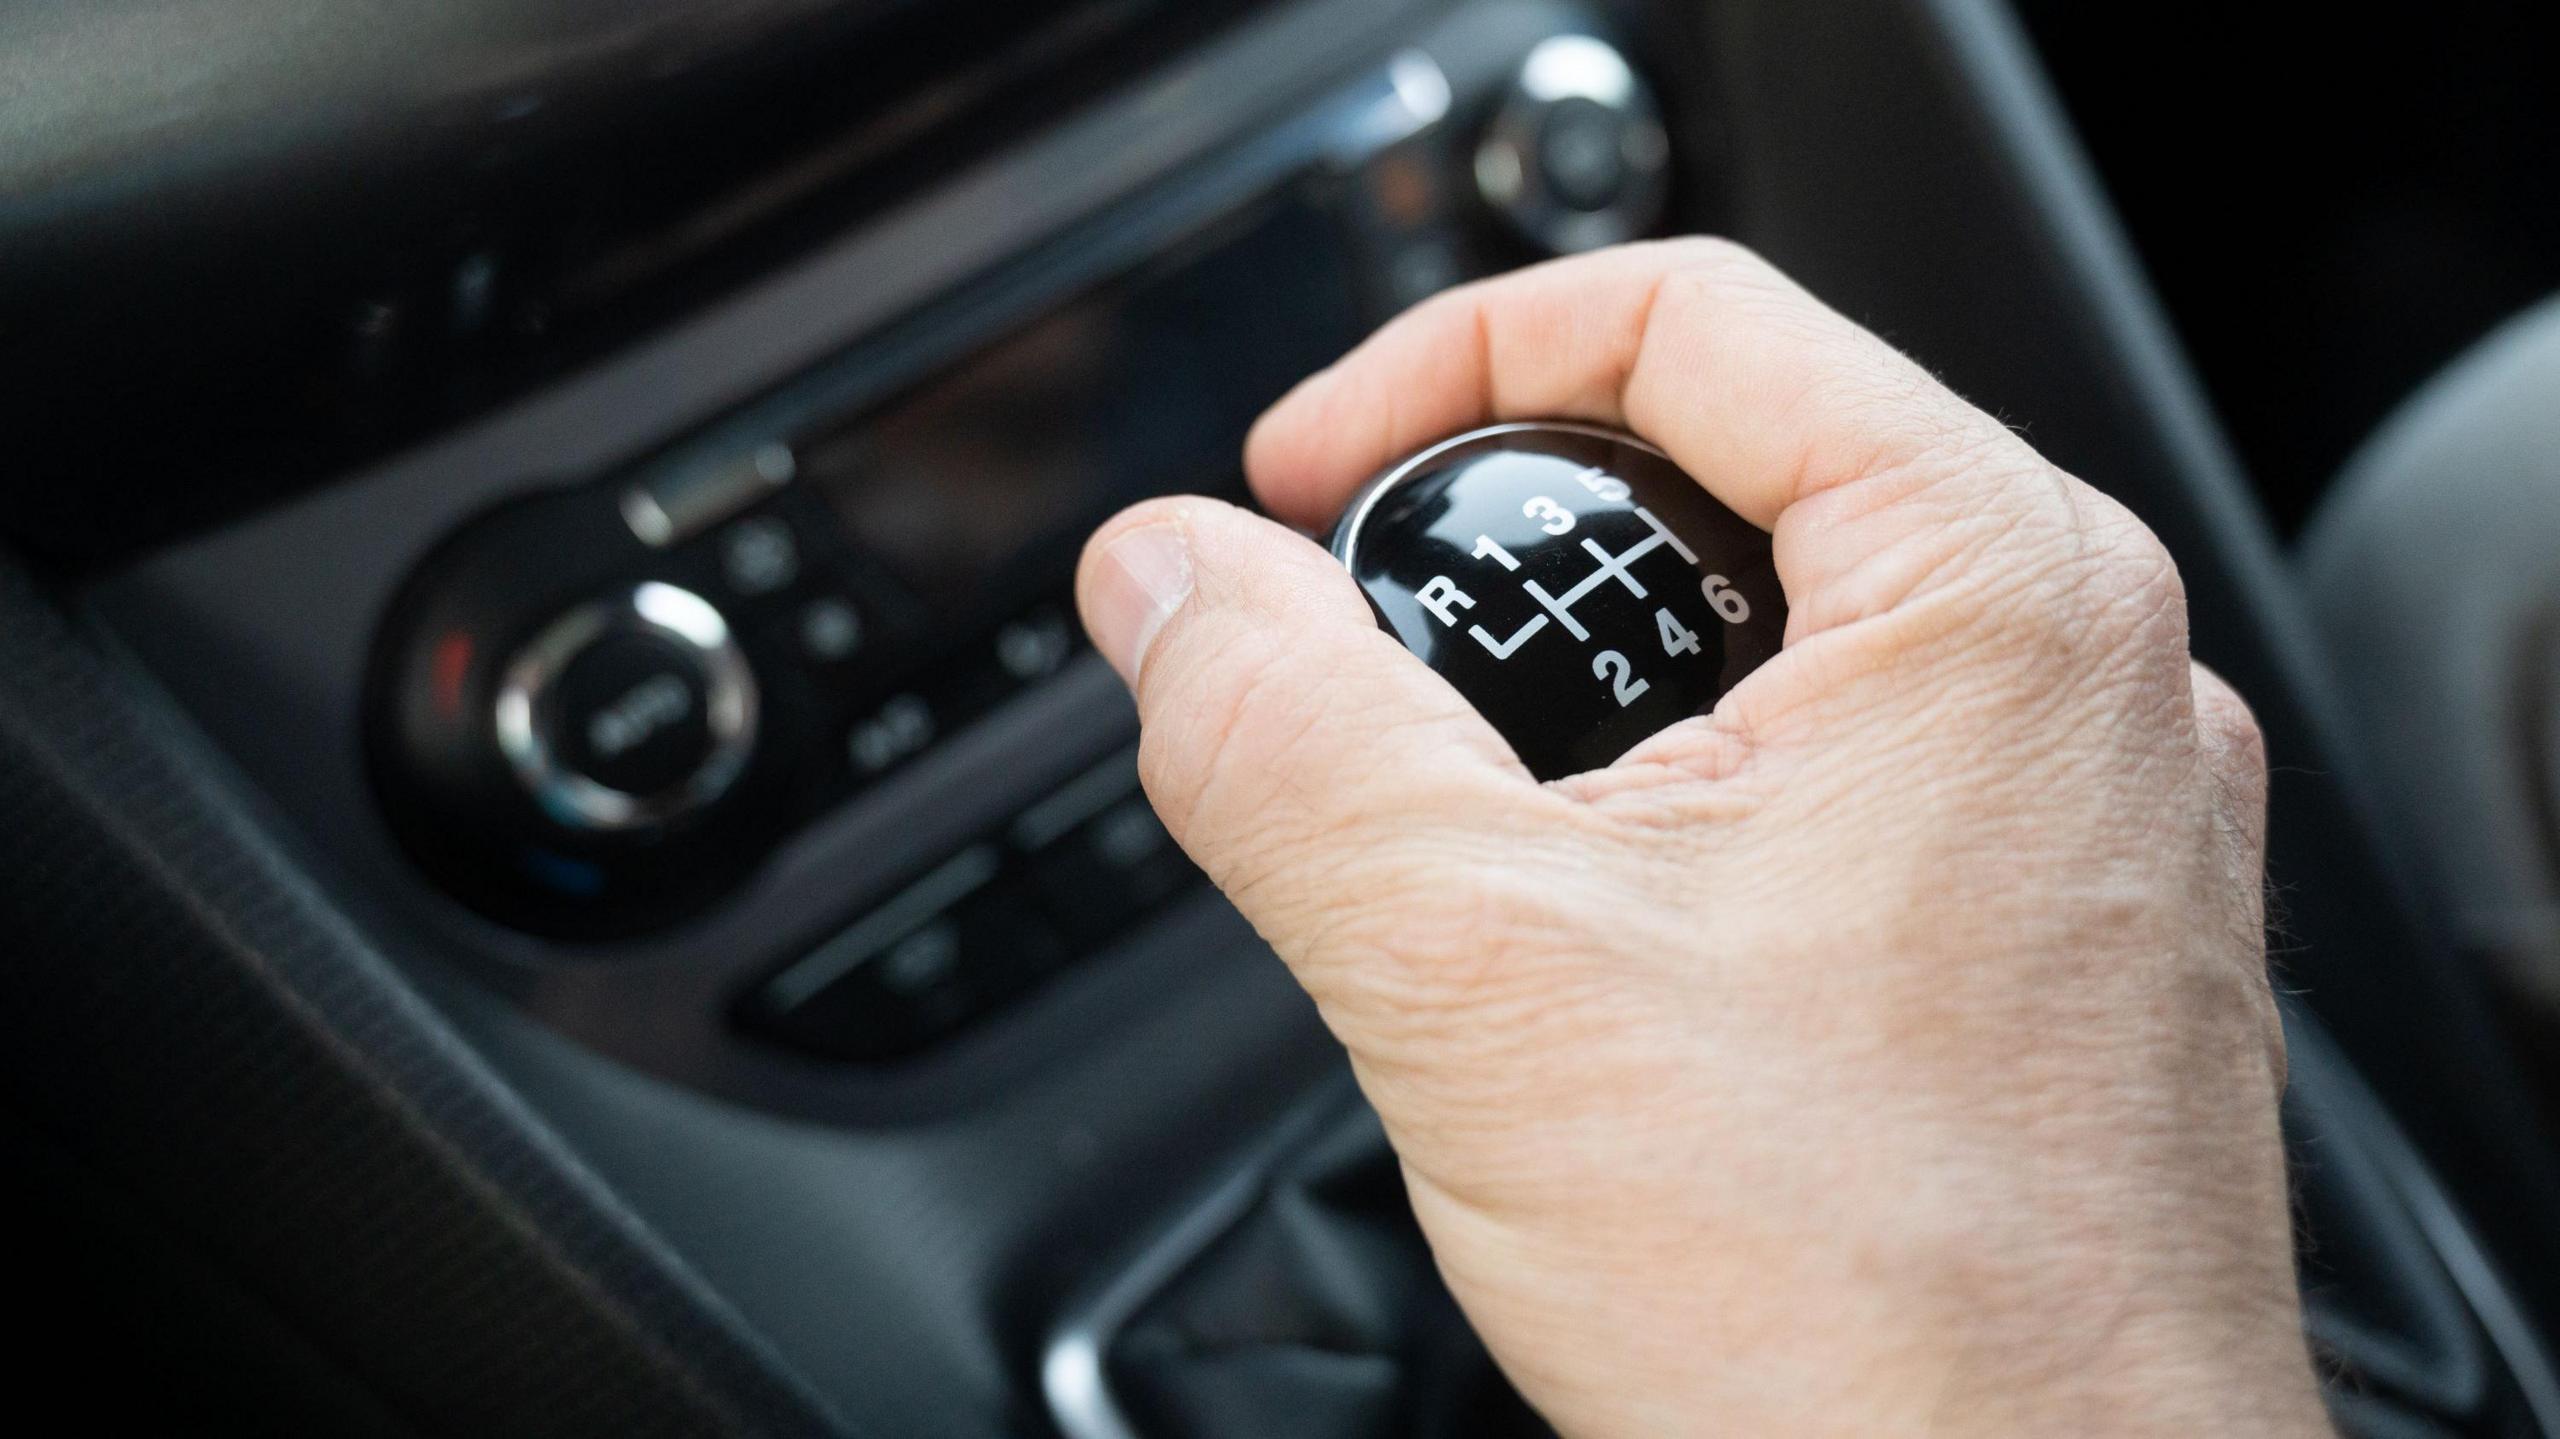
[[657, 715], [708, 736]]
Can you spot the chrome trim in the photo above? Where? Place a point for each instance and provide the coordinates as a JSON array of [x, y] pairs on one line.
[[674, 505], [2510, 1333], [525, 701], [2340, 1096], [1074, 1372], [1507, 172]]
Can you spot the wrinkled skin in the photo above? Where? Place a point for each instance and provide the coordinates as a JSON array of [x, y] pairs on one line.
[[1890, 1050]]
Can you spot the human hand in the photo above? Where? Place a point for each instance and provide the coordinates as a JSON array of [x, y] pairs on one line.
[[1891, 1048]]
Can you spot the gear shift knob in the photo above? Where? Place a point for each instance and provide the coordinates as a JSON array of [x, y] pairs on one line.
[[1577, 587]]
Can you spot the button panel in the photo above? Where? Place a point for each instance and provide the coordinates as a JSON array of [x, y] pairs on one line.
[[883, 679], [1070, 874], [889, 538], [674, 709]]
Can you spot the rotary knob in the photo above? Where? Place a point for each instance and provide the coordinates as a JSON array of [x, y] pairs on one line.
[[1575, 157], [1573, 583], [626, 712]]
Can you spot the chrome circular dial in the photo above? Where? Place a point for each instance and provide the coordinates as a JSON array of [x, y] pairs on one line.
[[628, 711], [1575, 157]]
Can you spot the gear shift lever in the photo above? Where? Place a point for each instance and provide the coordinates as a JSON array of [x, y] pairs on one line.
[[1576, 586]]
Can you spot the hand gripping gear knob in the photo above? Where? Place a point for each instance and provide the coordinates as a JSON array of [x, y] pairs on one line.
[[1577, 587]]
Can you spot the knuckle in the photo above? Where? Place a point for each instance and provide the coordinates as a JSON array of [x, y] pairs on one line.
[[2038, 597], [2234, 765], [2228, 722], [1435, 311], [1717, 256], [1868, 416], [2126, 549], [2132, 597], [1702, 282], [2271, 1037], [2245, 1021], [2087, 568]]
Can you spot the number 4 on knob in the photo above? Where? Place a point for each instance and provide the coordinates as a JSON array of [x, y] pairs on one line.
[[1677, 638]]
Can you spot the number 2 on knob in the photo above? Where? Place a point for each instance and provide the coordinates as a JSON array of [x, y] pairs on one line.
[[1612, 666]]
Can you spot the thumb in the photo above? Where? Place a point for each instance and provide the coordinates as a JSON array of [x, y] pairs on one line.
[[1292, 747]]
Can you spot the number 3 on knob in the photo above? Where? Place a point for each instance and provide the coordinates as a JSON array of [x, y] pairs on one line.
[[1553, 518]]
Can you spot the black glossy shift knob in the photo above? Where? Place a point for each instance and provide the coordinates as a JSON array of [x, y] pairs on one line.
[[1577, 587]]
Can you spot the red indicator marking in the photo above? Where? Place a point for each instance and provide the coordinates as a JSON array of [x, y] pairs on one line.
[[452, 666]]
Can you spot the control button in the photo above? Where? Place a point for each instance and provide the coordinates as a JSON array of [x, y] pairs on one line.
[[1068, 875], [898, 730], [922, 962], [1582, 153], [831, 629], [1575, 157], [674, 504], [920, 904], [1571, 582], [627, 712], [1002, 662], [1099, 857], [633, 713], [759, 555], [1032, 647], [951, 946]]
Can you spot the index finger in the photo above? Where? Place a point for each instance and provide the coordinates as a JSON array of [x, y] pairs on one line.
[[1745, 379]]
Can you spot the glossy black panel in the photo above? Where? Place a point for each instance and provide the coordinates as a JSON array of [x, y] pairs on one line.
[[257, 240], [1575, 585]]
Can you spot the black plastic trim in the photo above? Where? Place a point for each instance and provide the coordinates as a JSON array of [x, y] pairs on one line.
[[187, 1014]]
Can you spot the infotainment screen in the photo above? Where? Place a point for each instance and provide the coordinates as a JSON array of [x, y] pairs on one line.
[[977, 488]]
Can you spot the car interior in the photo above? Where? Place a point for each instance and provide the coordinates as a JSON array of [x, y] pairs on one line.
[[569, 866]]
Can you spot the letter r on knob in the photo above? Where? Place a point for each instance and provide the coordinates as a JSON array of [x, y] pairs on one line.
[[1441, 592]]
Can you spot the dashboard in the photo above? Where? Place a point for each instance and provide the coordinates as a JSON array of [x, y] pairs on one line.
[[638, 733]]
